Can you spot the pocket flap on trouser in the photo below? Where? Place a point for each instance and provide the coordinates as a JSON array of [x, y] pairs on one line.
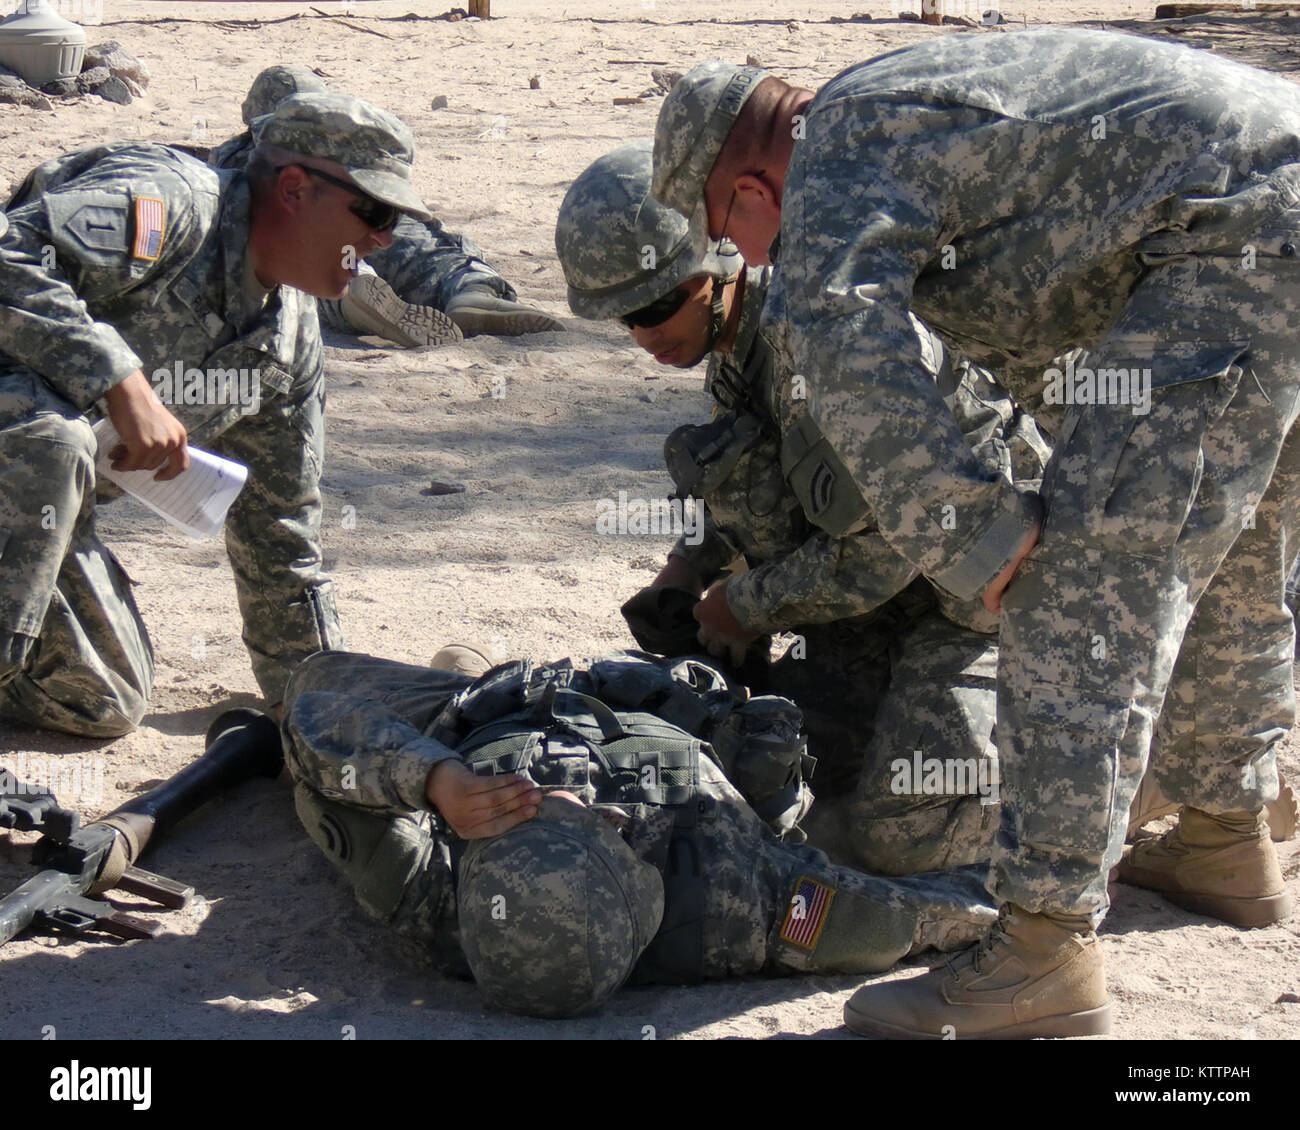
[[1069, 708]]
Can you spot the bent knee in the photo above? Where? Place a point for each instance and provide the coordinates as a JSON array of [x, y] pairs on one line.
[[322, 671]]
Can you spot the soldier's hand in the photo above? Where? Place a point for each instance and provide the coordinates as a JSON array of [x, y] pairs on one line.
[[478, 807], [721, 634], [993, 594], [151, 436], [679, 574]]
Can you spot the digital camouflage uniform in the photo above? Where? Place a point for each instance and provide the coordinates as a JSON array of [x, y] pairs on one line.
[[884, 665], [87, 299], [355, 739], [1137, 200]]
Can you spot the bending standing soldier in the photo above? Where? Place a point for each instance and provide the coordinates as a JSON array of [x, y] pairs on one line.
[[1026, 194], [892, 675], [130, 259], [429, 286]]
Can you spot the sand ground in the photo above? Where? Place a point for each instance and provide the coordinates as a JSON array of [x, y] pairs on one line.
[[274, 946]]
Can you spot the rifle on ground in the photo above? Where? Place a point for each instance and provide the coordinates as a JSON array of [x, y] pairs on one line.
[[101, 856]]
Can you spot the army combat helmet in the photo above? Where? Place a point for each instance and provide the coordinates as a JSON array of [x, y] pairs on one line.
[[621, 249], [554, 913], [274, 85]]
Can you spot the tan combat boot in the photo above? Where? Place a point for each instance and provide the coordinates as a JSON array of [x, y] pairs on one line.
[[1223, 866], [371, 306], [481, 312], [1032, 976], [1150, 803], [463, 659]]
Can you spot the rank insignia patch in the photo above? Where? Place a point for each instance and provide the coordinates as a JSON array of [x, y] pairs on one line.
[[150, 218], [807, 914]]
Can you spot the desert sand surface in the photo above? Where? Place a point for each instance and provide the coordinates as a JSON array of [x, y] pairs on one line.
[[538, 428]]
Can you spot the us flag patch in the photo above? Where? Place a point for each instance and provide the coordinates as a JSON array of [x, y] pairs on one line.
[[150, 217], [807, 914]]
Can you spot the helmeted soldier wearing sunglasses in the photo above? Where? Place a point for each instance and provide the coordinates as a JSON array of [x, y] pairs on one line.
[[883, 664]]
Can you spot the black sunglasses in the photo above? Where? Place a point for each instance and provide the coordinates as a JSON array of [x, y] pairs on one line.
[[376, 214], [658, 311]]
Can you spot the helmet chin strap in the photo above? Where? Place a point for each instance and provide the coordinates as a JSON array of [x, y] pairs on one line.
[[717, 315]]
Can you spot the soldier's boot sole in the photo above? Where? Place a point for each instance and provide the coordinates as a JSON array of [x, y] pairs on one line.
[[473, 321], [371, 306], [478, 312], [1247, 913], [1090, 1022]]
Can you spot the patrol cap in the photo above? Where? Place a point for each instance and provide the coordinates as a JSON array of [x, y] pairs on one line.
[[274, 85], [694, 121], [619, 248], [375, 147], [554, 913]]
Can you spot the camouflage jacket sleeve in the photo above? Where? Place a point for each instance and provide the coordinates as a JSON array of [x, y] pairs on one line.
[[846, 293], [360, 751], [825, 579], [80, 242], [830, 578], [273, 532]]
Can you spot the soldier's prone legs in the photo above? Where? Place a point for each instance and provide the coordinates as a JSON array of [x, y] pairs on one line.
[[416, 694], [397, 869], [738, 901], [927, 797], [428, 265], [74, 652]]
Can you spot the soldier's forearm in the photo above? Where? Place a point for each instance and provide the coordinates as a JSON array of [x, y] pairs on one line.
[[826, 579]]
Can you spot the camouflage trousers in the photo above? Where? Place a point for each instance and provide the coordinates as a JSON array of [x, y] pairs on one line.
[[74, 652], [736, 900], [928, 790], [426, 266], [1293, 589], [899, 709], [1156, 588]]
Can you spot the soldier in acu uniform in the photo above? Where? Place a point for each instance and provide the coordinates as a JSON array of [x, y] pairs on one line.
[[1026, 194], [430, 287], [885, 667], [617, 852], [128, 258]]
